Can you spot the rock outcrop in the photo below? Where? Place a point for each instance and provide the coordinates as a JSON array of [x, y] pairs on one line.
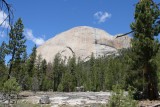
[[82, 41]]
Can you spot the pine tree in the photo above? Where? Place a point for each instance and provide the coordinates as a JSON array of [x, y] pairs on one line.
[[43, 70], [72, 71], [92, 73], [144, 46], [16, 47], [31, 62], [30, 69], [99, 74], [49, 76], [3, 68], [79, 73], [38, 72], [46, 84], [2, 57], [44, 66], [2, 53], [66, 82], [157, 58], [23, 74], [57, 73]]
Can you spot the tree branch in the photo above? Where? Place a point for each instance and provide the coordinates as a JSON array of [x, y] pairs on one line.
[[124, 34], [7, 7]]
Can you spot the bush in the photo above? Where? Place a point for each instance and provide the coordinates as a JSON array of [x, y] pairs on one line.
[[121, 99], [11, 87], [60, 87]]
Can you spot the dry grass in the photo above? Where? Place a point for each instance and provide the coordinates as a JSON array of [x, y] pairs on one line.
[[27, 104], [26, 93]]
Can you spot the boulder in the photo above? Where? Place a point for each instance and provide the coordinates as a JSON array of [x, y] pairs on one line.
[[1, 96], [44, 100]]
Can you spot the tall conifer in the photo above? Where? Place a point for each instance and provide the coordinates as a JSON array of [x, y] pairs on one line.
[[16, 46], [144, 45]]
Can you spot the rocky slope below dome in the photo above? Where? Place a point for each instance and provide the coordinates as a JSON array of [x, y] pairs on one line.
[[82, 41]]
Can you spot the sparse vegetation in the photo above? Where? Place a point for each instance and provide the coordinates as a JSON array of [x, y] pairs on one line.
[[26, 104], [121, 99]]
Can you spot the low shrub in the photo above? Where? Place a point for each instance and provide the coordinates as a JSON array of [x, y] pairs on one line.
[[121, 99]]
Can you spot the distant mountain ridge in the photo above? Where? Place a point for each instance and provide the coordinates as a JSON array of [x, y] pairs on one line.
[[82, 41]]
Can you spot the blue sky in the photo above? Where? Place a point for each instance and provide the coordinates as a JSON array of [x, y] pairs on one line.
[[43, 19]]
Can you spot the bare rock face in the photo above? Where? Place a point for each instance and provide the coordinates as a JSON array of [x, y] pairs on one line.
[[82, 41]]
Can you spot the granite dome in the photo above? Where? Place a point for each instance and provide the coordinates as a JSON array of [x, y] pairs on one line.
[[82, 41]]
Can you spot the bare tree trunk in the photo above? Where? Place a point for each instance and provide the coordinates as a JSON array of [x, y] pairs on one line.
[[150, 87]]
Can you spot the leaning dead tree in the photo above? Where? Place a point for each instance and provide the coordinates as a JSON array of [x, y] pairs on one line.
[[124, 34], [158, 4], [7, 13]]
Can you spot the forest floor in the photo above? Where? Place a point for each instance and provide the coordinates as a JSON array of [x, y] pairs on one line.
[[77, 99]]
